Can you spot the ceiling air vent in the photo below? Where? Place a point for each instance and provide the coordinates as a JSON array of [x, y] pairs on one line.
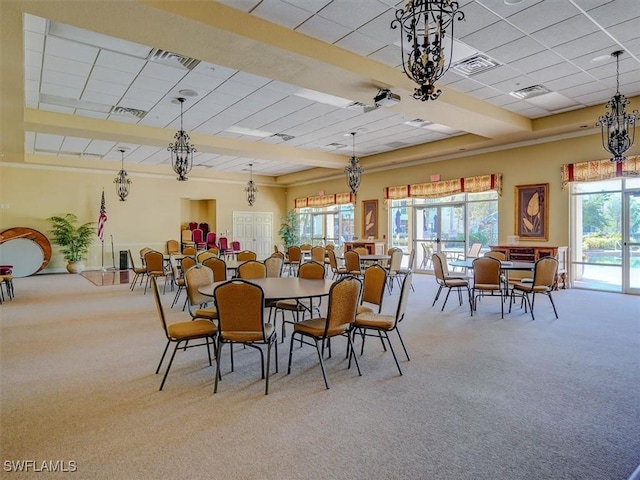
[[530, 92], [283, 136], [473, 65], [134, 112], [335, 145], [417, 122], [172, 59]]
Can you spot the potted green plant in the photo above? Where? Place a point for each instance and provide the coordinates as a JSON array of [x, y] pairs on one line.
[[74, 240], [289, 229]]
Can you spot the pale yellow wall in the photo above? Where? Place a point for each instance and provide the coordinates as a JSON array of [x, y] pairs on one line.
[[151, 215], [520, 166]]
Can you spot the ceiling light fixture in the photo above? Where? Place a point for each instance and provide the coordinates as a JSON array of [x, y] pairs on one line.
[[122, 180], [353, 171], [251, 188], [181, 151], [425, 25], [618, 127]]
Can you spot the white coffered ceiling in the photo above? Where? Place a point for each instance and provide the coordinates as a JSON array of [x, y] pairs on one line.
[[289, 109]]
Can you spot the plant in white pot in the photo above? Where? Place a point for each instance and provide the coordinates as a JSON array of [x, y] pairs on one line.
[[74, 240]]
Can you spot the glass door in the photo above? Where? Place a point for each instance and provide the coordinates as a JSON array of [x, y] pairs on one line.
[[439, 228], [325, 228], [631, 243]]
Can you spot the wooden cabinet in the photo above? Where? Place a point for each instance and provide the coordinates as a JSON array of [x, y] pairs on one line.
[[373, 247], [526, 253]]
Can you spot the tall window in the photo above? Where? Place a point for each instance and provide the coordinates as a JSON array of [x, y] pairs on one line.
[[333, 224], [605, 237], [446, 224]]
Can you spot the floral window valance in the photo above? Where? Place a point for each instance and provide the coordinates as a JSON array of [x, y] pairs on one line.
[[599, 170], [324, 200], [443, 188]]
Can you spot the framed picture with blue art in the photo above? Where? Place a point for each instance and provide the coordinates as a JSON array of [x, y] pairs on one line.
[[532, 212]]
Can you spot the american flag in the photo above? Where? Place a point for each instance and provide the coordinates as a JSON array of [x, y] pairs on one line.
[[102, 219]]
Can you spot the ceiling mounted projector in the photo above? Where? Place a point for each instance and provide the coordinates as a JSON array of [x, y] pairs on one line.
[[386, 98]]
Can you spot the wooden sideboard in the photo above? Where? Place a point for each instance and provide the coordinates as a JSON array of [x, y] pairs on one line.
[[374, 247], [530, 253]]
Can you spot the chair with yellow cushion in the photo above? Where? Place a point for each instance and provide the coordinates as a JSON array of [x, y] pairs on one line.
[[544, 278], [139, 271], [341, 315], [219, 268], [241, 320], [199, 305], [383, 324], [486, 280], [246, 255], [293, 259], [445, 280], [173, 247], [309, 271], [154, 263], [352, 263], [182, 332], [252, 269]]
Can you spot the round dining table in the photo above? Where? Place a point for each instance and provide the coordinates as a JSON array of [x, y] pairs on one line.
[[281, 288]]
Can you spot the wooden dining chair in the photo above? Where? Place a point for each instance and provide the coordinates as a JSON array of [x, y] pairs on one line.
[[241, 320]]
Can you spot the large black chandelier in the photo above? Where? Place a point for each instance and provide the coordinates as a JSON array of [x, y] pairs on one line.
[[251, 188], [425, 27], [181, 151], [618, 126], [353, 171], [122, 179]]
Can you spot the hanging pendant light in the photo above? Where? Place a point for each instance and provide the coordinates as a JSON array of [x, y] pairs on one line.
[[122, 180], [425, 27], [618, 126], [353, 171], [251, 188], [181, 151]]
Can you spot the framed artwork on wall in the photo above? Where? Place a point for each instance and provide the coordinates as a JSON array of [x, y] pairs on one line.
[[370, 219], [532, 212]]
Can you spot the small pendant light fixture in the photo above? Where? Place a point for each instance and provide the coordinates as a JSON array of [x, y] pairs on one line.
[[618, 126], [353, 171], [122, 180], [251, 188], [181, 151]]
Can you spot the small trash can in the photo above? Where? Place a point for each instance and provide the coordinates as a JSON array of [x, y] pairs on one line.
[[124, 260]]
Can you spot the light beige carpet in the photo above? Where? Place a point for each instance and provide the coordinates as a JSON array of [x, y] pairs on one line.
[[481, 398]]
